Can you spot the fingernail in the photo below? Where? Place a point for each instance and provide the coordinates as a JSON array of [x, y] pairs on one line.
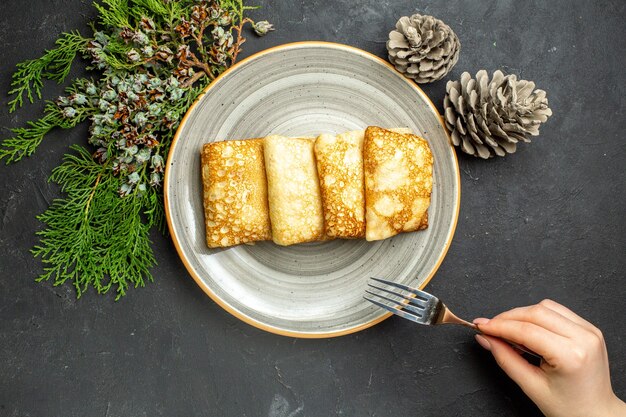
[[483, 342], [481, 320]]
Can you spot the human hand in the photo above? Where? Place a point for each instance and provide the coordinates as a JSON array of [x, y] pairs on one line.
[[573, 377]]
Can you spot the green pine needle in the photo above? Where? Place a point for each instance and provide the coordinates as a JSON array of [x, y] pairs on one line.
[[54, 64], [27, 139], [157, 7], [94, 237], [147, 77], [115, 14]]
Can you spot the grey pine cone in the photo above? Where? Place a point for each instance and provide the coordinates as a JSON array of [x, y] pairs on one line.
[[488, 118], [423, 48]]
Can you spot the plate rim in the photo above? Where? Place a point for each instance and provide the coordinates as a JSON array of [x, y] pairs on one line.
[[223, 304]]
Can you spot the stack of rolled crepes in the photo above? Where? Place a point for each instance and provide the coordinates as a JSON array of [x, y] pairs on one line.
[[374, 184]]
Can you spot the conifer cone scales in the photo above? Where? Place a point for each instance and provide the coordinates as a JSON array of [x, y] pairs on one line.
[[487, 118], [423, 48]]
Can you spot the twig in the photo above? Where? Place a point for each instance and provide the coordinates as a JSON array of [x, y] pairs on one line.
[[193, 79], [240, 39], [93, 191]]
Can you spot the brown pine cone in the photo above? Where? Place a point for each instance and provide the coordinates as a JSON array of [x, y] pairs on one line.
[[423, 48], [487, 118]]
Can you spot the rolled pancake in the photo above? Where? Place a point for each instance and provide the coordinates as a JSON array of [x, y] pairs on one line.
[[235, 193], [398, 182], [340, 170], [293, 190]]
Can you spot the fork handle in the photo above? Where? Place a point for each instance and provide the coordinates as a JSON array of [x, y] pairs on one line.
[[450, 318]]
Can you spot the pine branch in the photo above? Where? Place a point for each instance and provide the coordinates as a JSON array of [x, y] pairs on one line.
[[27, 139], [54, 64], [114, 13], [155, 6], [93, 237], [97, 236]]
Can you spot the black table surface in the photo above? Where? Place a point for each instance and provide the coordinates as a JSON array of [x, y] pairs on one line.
[[546, 222]]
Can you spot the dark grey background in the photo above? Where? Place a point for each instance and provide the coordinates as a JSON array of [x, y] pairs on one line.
[[545, 222]]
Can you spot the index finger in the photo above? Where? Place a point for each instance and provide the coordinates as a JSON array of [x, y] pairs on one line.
[[543, 316], [566, 312], [544, 342]]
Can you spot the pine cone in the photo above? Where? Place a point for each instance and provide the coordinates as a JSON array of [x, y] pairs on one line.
[[488, 118], [423, 48]]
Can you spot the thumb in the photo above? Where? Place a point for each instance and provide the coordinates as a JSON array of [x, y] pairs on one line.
[[530, 378]]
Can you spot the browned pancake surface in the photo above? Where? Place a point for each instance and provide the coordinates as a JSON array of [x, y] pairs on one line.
[[340, 169], [235, 192], [398, 182], [293, 190]]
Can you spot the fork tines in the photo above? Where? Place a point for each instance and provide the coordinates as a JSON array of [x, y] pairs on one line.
[[412, 307], [424, 296]]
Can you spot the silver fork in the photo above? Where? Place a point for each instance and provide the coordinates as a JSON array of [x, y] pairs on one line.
[[423, 308]]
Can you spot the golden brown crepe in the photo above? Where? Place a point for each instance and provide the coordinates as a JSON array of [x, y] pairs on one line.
[[293, 190], [340, 170], [398, 182], [235, 193]]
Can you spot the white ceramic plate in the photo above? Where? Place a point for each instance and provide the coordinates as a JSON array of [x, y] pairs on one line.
[[306, 88]]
